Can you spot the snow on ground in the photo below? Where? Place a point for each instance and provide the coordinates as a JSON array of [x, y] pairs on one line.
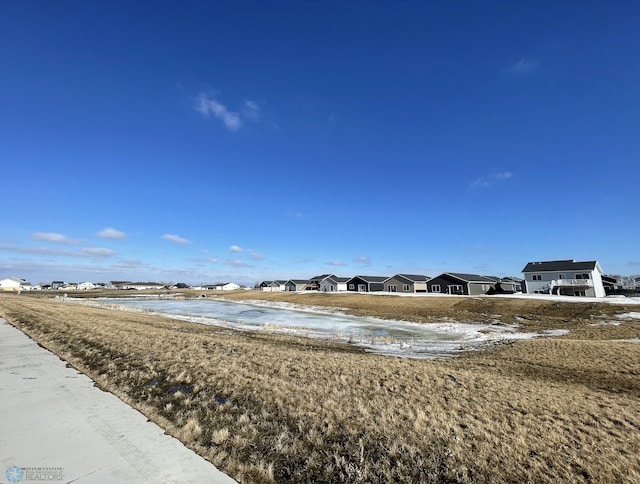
[[629, 316], [397, 338]]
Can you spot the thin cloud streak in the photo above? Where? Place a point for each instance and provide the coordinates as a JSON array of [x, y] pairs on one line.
[[487, 181], [237, 263], [364, 260], [111, 233], [524, 66], [53, 237], [94, 252], [176, 239], [208, 106]]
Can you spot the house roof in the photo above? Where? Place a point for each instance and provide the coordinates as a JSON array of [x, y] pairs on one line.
[[371, 278], [321, 277], [561, 265], [411, 277], [299, 281], [470, 277], [336, 278]]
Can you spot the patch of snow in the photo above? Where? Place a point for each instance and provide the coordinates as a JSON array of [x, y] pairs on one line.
[[555, 332], [629, 316]]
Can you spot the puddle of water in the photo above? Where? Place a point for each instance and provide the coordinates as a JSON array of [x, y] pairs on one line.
[[397, 338]]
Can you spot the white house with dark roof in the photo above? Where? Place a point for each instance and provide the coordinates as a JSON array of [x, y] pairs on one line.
[[13, 284], [564, 277]]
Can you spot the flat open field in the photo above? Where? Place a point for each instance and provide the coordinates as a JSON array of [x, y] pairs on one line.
[[266, 407]]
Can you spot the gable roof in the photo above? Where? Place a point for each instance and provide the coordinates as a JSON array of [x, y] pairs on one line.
[[321, 277], [299, 281], [561, 265], [470, 277], [411, 277], [335, 279], [371, 278]]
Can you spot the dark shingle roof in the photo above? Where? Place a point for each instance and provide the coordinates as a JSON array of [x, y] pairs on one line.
[[320, 277], [560, 265], [470, 277], [372, 278], [415, 277]]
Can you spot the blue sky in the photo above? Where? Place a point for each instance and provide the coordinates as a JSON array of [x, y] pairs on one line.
[[210, 141]]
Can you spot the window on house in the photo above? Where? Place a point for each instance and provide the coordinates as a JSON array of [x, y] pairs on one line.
[[455, 289], [537, 277], [391, 288], [435, 288], [352, 287], [406, 288], [583, 276], [562, 276]]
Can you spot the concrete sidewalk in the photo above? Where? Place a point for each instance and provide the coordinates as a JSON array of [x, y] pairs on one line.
[[56, 426]]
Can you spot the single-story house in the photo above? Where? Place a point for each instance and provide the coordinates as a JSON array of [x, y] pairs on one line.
[[314, 282], [509, 285], [564, 277], [296, 285], [277, 286], [406, 283], [83, 286], [12, 284], [264, 286], [226, 286], [366, 283], [333, 284], [460, 283], [140, 286]]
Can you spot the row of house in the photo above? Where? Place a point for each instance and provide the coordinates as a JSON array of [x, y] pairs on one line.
[[560, 277], [17, 285], [447, 283]]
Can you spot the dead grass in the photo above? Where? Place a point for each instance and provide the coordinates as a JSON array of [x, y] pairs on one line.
[[272, 408]]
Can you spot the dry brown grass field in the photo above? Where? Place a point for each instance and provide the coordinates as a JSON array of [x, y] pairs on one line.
[[273, 408]]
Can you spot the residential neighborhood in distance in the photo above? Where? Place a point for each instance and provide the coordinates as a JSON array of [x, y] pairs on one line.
[[559, 277]]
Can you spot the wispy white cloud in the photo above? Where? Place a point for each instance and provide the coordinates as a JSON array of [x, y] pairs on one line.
[[364, 260], [208, 106], [176, 239], [524, 66], [254, 255], [96, 252], [237, 263], [336, 263], [235, 248], [111, 233], [130, 264], [251, 110], [53, 237], [482, 248], [85, 252], [487, 181]]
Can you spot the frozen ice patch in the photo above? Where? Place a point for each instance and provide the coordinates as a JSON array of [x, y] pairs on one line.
[[389, 337]]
